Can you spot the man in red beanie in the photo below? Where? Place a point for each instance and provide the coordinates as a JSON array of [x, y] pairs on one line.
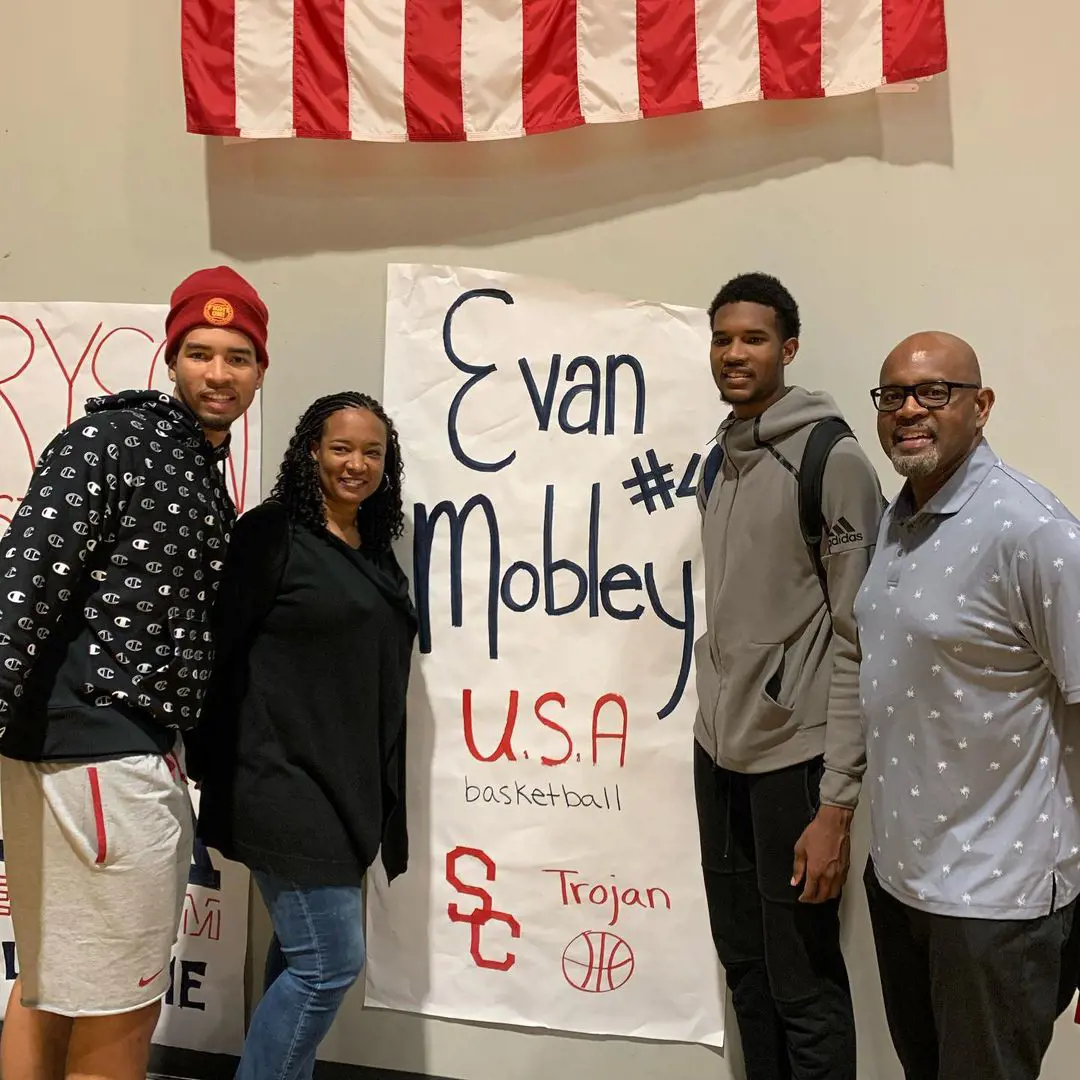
[[109, 571]]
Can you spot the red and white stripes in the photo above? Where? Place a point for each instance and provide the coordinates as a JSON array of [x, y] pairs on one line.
[[396, 70]]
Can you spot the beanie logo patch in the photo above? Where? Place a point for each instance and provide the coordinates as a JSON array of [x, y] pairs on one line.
[[218, 311]]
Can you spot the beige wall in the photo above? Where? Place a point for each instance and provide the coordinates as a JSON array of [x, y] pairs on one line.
[[954, 207]]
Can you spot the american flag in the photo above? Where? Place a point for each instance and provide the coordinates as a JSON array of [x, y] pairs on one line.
[[423, 70]]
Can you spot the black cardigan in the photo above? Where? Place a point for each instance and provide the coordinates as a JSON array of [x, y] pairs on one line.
[[300, 751]]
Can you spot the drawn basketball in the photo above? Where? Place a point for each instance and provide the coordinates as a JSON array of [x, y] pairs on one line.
[[597, 962]]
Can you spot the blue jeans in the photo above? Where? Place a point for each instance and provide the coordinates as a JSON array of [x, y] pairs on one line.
[[315, 955]]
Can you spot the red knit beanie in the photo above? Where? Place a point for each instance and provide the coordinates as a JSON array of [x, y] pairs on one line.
[[219, 297]]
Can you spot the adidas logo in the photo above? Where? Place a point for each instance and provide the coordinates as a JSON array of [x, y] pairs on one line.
[[843, 532]]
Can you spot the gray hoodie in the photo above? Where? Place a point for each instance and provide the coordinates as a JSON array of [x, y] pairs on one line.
[[777, 677]]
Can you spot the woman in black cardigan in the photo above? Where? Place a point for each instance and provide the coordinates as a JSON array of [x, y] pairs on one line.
[[301, 749]]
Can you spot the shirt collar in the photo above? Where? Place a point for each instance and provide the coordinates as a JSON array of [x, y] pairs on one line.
[[953, 495]]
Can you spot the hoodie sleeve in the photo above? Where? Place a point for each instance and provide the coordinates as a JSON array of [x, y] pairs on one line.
[[250, 583], [852, 505], [74, 502]]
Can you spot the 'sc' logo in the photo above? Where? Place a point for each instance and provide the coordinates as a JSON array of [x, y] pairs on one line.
[[482, 915]]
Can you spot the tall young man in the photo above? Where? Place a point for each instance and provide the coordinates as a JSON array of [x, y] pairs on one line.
[[779, 751], [971, 691], [107, 578]]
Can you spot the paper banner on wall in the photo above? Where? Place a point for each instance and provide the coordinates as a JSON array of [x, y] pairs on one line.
[[52, 358], [551, 441]]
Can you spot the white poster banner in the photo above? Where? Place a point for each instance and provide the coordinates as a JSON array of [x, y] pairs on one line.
[[52, 358], [551, 441]]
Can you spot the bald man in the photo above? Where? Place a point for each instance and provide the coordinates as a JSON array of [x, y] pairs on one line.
[[970, 686]]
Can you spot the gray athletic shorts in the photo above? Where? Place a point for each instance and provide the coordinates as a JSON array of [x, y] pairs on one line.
[[97, 856]]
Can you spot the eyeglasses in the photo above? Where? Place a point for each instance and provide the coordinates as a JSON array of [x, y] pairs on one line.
[[930, 395]]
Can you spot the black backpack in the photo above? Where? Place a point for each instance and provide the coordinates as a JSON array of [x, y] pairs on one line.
[[824, 435]]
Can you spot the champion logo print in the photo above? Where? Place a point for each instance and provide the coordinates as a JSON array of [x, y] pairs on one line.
[[159, 561], [843, 532]]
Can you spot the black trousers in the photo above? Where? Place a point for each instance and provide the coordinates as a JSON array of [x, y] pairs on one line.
[[972, 998], [782, 958]]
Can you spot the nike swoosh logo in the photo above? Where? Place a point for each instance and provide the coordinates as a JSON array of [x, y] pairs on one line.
[[147, 982]]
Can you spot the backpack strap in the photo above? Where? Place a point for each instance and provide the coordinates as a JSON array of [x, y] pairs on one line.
[[824, 435], [713, 460]]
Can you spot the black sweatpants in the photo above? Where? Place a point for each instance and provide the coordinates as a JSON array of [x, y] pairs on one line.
[[782, 958], [972, 998]]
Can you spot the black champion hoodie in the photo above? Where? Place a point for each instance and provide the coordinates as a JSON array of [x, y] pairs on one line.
[[108, 574]]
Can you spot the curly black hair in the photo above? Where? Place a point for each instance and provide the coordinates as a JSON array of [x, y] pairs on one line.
[[761, 289], [380, 518]]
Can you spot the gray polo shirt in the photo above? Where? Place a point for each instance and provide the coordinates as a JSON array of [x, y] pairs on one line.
[[969, 622]]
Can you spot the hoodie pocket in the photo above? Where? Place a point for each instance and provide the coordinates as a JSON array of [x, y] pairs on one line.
[[707, 679], [753, 699], [772, 695], [773, 688]]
